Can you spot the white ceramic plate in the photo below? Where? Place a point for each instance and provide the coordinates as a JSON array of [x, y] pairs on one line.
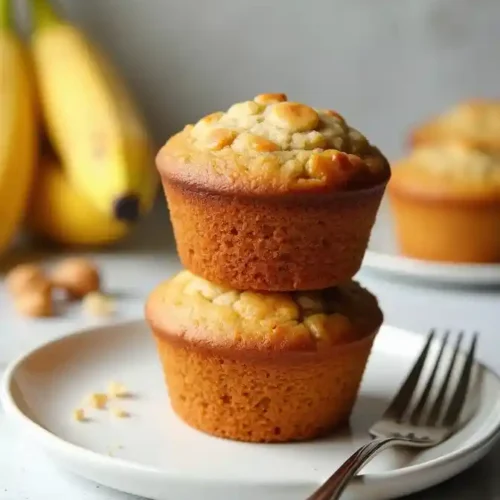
[[383, 256], [155, 455]]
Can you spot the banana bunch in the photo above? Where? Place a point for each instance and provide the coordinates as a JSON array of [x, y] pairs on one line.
[[18, 126], [98, 176]]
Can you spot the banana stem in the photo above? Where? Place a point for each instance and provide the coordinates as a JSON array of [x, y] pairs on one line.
[[44, 14], [5, 15]]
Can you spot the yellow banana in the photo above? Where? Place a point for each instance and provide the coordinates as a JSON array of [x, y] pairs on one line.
[[17, 128], [92, 122], [60, 213]]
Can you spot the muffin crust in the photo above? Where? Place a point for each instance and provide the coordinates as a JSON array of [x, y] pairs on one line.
[[449, 171], [203, 313], [475, 123], [272, 146]]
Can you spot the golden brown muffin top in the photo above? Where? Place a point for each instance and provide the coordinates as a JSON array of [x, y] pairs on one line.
[[199, 311], [474, 122], [270, 145], [451, 169]]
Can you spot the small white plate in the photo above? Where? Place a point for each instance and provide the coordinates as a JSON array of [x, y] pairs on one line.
[[154, 455], [383, 256]]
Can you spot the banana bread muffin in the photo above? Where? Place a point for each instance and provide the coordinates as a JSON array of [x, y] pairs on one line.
[[262, 366], [446, 203], [475, 123], [272, 195]]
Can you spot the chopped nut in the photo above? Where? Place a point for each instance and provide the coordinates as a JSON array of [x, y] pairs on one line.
[[117, 390], [201, 127], [119, 413], [330, 112], [334, 329], [270, 98], [324, 165], [219, 138], [252, 142], [310, 302], [27, 277], [97, 304], [98, 400], [226, 299], [200, 286], [77, 276], [317, 325], [245, 108], [294, 116], [211, 118], [34, 304], [79, 415]]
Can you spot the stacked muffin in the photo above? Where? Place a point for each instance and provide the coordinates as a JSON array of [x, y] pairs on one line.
[[265, 337], [446, 194]]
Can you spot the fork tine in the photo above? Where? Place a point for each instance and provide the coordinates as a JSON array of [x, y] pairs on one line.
[[417, 412], [458, 400], [438, 403], [402, 399]]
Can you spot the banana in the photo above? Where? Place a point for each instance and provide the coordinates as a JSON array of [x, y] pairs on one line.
[[92, 122], [60, 213], [18, 128]]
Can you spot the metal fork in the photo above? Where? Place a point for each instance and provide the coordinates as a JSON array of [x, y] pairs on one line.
[[413, 420]]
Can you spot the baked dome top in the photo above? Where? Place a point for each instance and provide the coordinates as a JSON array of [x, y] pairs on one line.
[[270, 145], [474, 122], [452, 169], [199, 311]]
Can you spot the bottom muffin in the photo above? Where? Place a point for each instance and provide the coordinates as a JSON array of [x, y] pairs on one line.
[[262, 367]]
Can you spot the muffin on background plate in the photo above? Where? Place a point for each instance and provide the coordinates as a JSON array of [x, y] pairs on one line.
[[474, 122], [262, 367], [445, 200], [272, 195]]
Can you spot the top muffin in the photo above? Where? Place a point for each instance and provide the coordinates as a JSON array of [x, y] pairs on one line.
[[475, 123], [270, 145]]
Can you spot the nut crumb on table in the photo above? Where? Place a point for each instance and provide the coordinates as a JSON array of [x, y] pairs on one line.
[[34, 304], [77, 277], [25, 278], [34, 293], [97, 304]]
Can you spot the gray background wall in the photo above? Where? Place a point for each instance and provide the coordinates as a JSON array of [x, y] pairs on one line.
[[385, 64]]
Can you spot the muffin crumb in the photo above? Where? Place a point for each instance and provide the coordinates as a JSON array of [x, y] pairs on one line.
[[98, 400], [117, 390], [79, 415], [120, 413]]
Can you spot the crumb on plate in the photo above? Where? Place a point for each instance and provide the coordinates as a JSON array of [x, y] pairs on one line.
[[119, 413], [98, 400], [117, 390], [79, 415]]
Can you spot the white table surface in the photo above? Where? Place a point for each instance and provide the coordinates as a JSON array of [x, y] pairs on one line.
[[133, 270]]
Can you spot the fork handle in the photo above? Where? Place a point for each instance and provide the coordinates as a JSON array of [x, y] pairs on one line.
[[334, 486]]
